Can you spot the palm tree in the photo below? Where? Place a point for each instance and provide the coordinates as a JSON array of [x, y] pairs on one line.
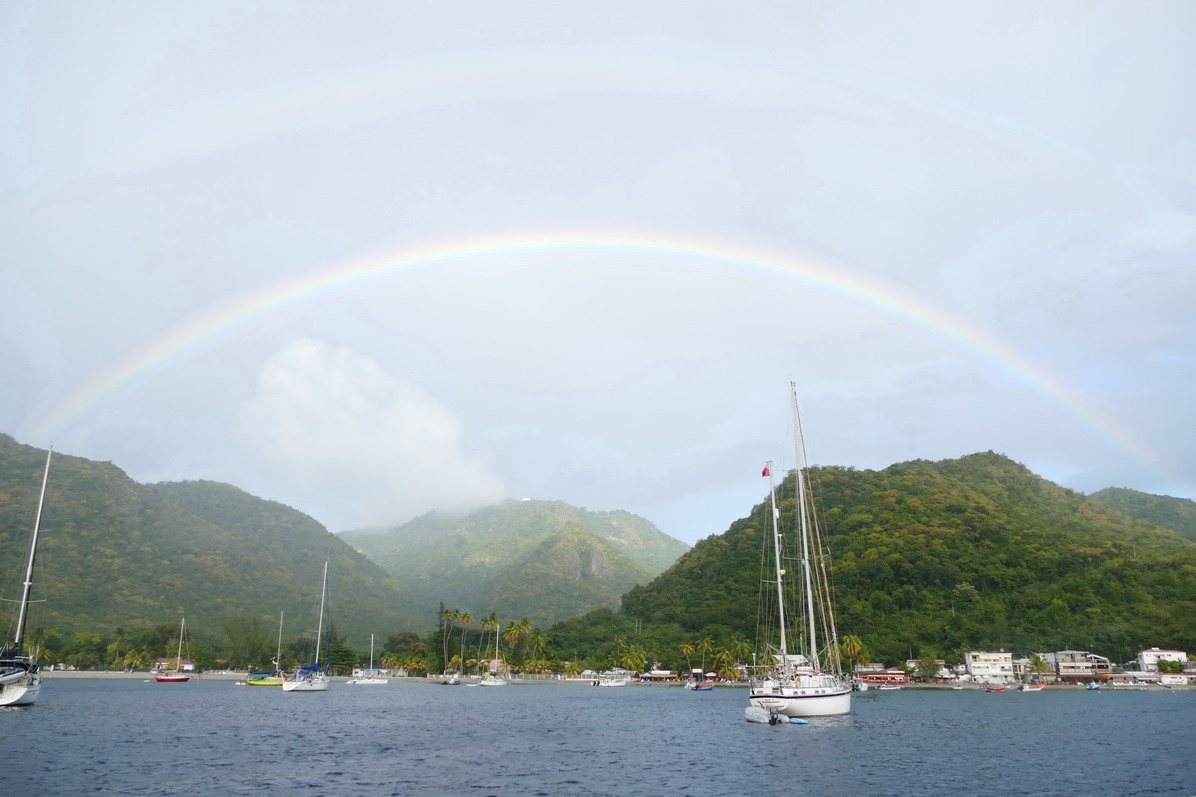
[[516, 631], [688, 650], [466, 618], [390, 661], [447, 616], [537, 641], [488, 623], [1038, 665], [852, 648], [705, 645]]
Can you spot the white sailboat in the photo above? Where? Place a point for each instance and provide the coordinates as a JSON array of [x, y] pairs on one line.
[[176, 676], [494, 678], [371, 675], [309, 677], [803, 679], [20, 674]]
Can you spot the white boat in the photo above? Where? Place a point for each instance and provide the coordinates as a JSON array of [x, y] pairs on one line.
[[20, 674], [371, 676], [809, 682], [309, 677], [176, 676], [494, 678]]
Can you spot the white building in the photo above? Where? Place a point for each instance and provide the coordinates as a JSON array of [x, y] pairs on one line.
[[1148, 660], [989, 667]]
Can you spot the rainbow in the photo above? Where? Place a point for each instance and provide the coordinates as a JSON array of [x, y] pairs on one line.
[[695, 253]]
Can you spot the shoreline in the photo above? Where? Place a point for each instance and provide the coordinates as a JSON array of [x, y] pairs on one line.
[[240, 676]]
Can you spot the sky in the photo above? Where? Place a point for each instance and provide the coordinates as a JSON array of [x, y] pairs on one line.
[[375, 259]]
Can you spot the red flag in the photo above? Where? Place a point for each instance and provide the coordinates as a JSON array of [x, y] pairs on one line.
[[765, 471]]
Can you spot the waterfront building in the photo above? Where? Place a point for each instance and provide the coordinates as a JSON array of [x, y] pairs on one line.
[[1148, 660], [989, 667], [1078, 665]]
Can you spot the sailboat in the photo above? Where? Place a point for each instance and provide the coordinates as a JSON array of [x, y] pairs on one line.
[[371, 675], [803, 679], [176, 676], [309, 677], [493, 678], [270, 678], [20, 674]]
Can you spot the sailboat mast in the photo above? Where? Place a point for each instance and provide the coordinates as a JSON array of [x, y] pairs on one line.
[[804, 522], [320, 622], [278, 652], [777, 571], [27, 586], [178, 657]]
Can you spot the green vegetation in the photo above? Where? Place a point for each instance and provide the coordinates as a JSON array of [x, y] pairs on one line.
[[545, 560], [929, 560], [1177, 514], [117, 554]]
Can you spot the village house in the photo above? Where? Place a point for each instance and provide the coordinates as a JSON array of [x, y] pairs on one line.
[[986, 667], [1078, 665], [1148, 660]]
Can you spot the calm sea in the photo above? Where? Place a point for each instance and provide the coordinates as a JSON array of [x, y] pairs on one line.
[[95, 736]]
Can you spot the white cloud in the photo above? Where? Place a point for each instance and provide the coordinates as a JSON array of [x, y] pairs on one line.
[[377, 448]]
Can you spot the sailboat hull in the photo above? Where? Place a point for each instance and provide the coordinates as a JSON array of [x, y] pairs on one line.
[[800, 701], [802, 695], [316, 684], [20, 688]]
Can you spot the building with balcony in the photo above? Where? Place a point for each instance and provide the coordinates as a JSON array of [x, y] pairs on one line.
[[1148, 660], [1078, 665], [989, 667]]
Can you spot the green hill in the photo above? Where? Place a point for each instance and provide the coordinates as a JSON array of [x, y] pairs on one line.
[[1177, 514], [115, 553], [545, 560], [937, 558]]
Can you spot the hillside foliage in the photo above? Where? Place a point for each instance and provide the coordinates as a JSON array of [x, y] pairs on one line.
[[545, 560], [931, 559]]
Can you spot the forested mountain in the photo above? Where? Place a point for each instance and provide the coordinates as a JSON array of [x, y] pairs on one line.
[[115, 553], [1177, 514], [545, 560], [931, 559]]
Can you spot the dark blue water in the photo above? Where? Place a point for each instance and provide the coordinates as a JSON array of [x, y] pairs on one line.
[[93, 736]]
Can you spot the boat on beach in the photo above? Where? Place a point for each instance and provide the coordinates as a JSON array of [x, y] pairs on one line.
[[805, 682], [20, 674]]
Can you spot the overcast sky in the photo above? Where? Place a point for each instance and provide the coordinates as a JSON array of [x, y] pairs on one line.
[[371, 259]]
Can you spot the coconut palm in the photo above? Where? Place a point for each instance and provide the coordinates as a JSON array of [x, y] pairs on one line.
[[688, 650], [465, 618], [1038, 665], [488, 623], [705, 646]]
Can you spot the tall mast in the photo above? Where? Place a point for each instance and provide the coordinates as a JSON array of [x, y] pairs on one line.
[[778, 572], [803, 520], [278, 653], [178, 657], [320, 622], [28, 583]]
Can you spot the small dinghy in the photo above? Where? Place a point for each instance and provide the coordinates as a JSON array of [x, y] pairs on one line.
[[766, 717]]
